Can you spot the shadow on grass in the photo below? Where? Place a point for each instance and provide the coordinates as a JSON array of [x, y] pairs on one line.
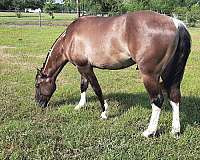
[[124, 100], [190, 106]]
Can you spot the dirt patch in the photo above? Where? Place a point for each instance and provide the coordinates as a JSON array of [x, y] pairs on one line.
[[14, 60], [195, 37], [195, 48]]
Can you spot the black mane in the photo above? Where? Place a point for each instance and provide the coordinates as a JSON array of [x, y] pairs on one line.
[[50, 51]]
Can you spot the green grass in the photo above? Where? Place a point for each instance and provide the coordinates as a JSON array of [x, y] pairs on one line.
[[10, 18], [59, 132]]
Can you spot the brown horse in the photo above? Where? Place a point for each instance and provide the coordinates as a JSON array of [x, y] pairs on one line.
[[158, 44]]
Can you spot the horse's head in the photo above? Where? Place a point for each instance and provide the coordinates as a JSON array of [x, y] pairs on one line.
[[44, 88]]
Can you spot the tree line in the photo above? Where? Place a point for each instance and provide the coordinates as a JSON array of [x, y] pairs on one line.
[[186, 9]]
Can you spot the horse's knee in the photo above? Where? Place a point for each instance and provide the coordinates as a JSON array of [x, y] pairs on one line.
[[158, 101]]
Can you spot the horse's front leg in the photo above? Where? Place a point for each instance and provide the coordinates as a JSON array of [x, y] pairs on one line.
[[87, 71], [83, 88], [152, 86]]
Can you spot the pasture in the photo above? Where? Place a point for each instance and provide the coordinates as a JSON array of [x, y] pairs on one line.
[[59, 132], [61, 19]]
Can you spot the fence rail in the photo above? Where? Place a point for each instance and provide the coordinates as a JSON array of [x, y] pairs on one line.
[[8, 17]]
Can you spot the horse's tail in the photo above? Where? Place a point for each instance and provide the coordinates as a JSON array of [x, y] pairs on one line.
[[174, 71]]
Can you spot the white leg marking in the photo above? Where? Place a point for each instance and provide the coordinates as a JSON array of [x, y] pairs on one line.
[[82, 101], [104, 115], [152, 128], [175, 120]]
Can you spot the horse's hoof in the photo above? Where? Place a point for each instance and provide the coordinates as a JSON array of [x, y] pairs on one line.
[[148, 134], [104, 115], [176, 134], [78, 107]]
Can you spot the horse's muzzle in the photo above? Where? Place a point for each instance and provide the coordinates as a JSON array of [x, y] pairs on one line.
[[42, 104]]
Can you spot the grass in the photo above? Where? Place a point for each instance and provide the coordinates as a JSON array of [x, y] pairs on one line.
[[59, 132], [10, 18]]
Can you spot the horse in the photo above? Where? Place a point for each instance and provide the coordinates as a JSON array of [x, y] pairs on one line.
[[158, 44]]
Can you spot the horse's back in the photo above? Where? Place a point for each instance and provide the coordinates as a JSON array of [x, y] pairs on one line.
[[120, 41], [102, 42]]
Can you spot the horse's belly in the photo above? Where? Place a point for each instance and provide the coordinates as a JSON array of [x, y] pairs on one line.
[[116, 65]]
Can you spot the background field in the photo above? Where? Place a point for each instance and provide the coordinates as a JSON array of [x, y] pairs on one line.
[[60, 19], [59, 132]]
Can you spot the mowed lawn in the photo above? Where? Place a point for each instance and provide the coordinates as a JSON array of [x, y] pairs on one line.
[[10, 18], [59, 132]]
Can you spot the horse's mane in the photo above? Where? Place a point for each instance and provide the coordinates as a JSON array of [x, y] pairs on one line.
[[51, 50]]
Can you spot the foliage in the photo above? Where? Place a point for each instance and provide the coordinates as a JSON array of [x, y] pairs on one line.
[[180, 12], [108, 6], [50, 6], [193, 15], [123, 6], [21, 4], [134, 6], [162, 6], [5, 4], [70, 5]]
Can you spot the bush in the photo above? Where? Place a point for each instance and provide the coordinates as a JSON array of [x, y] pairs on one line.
[[51, 7], [18, 14], [51, 14], [193, 16], [129, 7], [181, 12]]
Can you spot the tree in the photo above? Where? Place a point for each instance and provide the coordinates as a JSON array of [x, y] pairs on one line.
[[70, 5], [5, 4], [21, 4], [193, 15], [49, 6]]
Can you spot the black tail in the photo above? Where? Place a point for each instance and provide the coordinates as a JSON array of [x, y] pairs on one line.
[[174, 71]]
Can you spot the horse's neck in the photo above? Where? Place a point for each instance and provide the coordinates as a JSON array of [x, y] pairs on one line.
[[55, 59]]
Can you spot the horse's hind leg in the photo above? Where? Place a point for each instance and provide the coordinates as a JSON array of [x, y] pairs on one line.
[[174, 96], [151, 83], [173, 91], [83, 88], [87, 72]]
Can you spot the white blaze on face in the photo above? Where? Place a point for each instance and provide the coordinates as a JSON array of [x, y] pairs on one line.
[[176, 119], [152, 128], [82, 101]]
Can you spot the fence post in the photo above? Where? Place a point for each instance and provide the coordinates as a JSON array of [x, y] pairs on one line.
[[78, 8], [39, 18]]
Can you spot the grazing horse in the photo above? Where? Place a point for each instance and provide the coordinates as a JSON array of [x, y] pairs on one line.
[[158, 44]]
